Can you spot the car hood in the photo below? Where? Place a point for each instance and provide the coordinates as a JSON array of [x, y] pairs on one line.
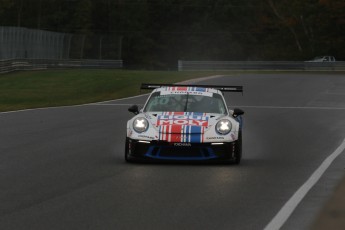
[[182, 122]]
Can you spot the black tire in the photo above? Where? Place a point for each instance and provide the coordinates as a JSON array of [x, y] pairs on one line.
[[127, 150], [238, 149]]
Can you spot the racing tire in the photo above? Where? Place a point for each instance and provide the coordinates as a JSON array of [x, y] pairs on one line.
[[127, 158], [238, 149]]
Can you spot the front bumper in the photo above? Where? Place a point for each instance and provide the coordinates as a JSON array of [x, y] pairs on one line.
[[161, 150]]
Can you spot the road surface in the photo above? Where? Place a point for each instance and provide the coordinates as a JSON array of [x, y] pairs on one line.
[[64, 168]]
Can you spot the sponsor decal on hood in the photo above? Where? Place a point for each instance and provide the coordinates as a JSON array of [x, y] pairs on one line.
[[190, 119]]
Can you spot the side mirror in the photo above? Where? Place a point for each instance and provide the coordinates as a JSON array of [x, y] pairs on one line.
[[237, 112], [134, 109]]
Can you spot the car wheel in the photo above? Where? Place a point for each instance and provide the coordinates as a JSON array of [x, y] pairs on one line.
[[127, 150], [238, 149]]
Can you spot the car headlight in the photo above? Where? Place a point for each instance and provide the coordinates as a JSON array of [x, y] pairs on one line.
[[140, 124], [223, 127]]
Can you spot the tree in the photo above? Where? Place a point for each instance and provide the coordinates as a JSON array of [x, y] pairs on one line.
[[157, 33]]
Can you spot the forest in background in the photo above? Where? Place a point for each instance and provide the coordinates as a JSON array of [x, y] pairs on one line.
[[154, 34]]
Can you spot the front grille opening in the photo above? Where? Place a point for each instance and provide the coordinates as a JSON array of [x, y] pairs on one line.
[[194, 152], [180, 152], [155, 151]]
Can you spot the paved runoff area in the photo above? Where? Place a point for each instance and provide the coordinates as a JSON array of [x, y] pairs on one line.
[[332, 215]]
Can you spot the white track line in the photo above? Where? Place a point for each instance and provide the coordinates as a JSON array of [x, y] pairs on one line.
[[281, 217], [110, 104], [287, 107], [105, 103], [68, 106], [45, 108], [120, 99], [237, 106]]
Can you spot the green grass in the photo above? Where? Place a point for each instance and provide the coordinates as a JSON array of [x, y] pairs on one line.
[[36, 89]]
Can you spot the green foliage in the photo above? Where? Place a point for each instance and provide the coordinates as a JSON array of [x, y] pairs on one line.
[[156, 33], [4, 5], [33, 89]]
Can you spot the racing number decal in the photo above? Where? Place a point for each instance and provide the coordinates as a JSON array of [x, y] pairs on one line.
[[160, 101]]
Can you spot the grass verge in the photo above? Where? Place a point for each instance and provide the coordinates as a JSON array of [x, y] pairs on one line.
[[36, 89]]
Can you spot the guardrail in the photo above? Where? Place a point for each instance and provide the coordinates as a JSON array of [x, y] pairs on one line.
[[258, 65], [37, 64]]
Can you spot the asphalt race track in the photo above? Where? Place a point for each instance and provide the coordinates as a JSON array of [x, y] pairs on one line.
[[64, 168]]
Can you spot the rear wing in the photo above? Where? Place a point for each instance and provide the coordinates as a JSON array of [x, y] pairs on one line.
[[218, 87]]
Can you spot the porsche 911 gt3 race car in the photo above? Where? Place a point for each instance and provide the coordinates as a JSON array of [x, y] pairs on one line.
[[185, 123]]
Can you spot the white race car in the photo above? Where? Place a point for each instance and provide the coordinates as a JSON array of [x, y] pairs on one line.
[[185, 123]]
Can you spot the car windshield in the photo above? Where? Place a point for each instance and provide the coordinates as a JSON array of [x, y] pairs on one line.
[[185, 103]]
